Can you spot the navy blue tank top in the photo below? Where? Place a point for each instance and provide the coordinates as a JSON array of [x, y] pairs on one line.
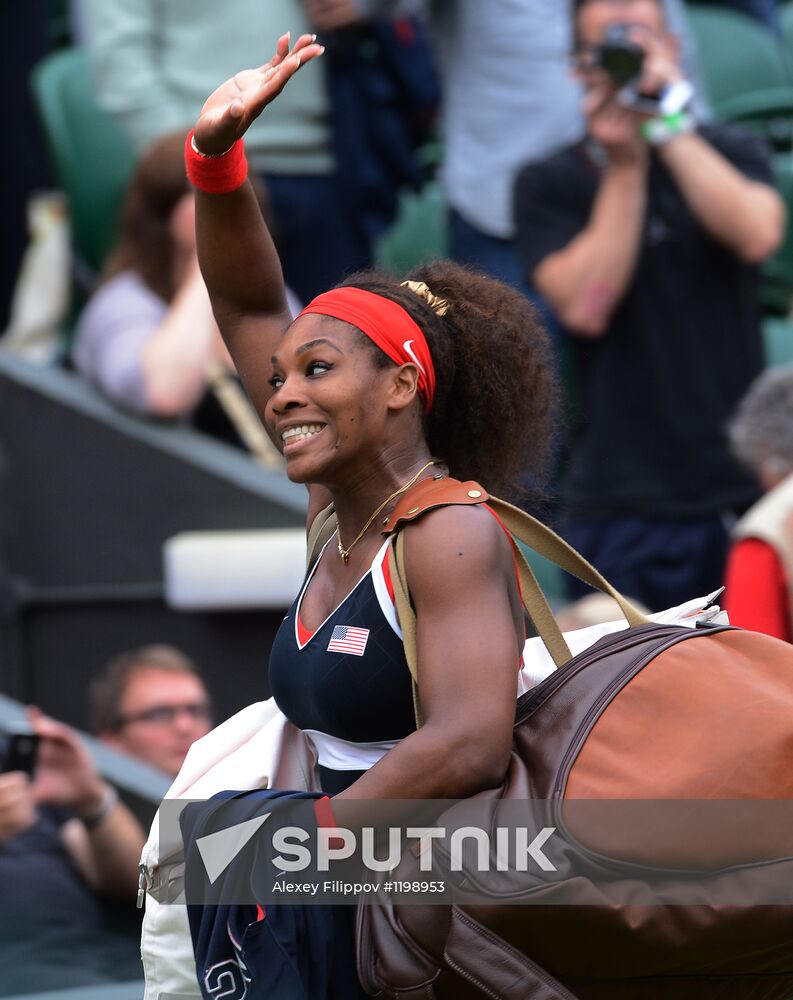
[[349, 679]]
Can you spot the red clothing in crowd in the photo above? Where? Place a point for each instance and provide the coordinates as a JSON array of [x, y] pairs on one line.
[[757, 595]]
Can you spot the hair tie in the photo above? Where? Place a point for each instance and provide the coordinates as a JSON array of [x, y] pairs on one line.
[[438, 305]]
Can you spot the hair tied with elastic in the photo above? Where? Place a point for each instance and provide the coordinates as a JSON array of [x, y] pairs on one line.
[[438, 305]]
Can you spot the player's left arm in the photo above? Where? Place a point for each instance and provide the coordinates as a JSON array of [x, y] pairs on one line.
[[461, 577]]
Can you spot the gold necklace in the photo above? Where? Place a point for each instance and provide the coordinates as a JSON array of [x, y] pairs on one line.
[[345, 553]]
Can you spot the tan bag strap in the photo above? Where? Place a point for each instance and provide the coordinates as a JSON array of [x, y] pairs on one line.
[[430, 494], [521, 526], [322, 528], [406, 616], [540, 612], [533, 599], [546, 542]]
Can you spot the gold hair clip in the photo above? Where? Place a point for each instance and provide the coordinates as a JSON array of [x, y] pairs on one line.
[[435, 302]]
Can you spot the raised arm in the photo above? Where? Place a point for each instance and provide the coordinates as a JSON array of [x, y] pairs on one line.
[[586, 280], [237, 257]]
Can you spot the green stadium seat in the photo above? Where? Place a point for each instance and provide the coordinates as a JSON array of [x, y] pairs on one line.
[[418, 234], [746, 72], [549, 577], [91, 156], [786, 23], [778, 337]]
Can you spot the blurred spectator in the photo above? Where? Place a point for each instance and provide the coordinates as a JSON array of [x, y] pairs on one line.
[[26, 31], [509, 98], [151, 704], [147, 337], [65, 843], [759, 574], [645, 239], [594, 609], [154, 65], [766, 11]]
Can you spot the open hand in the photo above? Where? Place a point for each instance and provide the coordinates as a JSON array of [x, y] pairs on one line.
[[230, 110], [65, 774]]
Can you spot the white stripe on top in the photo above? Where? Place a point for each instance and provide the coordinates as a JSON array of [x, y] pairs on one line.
[[342, 755]]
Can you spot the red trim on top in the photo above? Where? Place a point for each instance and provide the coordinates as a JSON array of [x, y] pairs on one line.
[[386, 565], [507, 532], [260, 914], [512, 542], [303, 634]]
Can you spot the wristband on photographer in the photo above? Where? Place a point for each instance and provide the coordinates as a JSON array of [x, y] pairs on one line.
[[215, 173], [106, 807], [657, 131]]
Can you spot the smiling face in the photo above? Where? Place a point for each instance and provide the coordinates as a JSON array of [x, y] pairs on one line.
[[330, 403]]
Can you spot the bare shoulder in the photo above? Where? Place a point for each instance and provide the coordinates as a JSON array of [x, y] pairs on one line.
[[453, 542]]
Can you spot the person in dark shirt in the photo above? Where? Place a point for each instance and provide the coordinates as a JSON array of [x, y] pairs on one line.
[[645, 238], [69, 855]]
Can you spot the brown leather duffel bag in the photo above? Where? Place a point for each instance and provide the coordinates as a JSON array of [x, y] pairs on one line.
[[651, 716]]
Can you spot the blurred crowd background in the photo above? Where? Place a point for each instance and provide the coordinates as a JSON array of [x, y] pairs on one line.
[[146, 524]]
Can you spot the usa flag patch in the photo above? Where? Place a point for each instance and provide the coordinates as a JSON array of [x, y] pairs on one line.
[[346, 639]]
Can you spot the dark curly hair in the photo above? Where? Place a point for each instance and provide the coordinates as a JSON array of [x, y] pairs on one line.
[[496, 395]]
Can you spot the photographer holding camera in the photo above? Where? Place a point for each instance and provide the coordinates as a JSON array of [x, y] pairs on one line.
[[69, 854], [645, 238]]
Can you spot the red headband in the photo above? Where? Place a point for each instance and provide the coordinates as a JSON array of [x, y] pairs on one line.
[[386, 324]]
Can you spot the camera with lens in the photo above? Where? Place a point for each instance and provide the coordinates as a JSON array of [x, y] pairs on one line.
[[619, 56], [622, 59]]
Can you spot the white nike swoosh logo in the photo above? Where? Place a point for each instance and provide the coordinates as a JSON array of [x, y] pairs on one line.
[[409, 350]]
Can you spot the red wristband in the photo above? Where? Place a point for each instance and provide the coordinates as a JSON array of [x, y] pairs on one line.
[[216, 174]]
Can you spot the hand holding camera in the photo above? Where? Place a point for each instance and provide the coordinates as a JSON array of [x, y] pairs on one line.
[[634, 86], [643, 69]]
